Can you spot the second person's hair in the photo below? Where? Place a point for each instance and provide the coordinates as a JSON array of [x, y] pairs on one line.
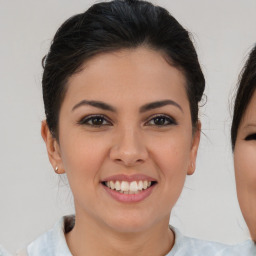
[[246, 88]]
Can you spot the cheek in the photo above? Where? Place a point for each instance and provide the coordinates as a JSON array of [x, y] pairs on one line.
[[245, 171], [173, 162], [172, 156], [82, 157], [245, 167], [174, 151]]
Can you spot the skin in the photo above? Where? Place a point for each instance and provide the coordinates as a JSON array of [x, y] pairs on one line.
[[130, 142], [245, 162]]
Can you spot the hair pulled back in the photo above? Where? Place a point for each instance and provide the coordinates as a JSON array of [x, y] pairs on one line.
[[111, 26], [246, 88]]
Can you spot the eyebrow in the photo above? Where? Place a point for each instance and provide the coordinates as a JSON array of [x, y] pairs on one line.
[[96, 104], [144, 108], [159, 104]]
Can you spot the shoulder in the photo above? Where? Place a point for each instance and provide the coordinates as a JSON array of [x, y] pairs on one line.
[[52, 242], [247, 248], [187, 246]]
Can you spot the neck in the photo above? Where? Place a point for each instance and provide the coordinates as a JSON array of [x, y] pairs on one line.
[[88, 237]]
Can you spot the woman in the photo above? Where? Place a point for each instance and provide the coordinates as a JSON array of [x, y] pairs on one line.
[[243, 137], [121, 88]]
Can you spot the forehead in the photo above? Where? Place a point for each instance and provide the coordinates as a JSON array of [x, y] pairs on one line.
[[138, 74]]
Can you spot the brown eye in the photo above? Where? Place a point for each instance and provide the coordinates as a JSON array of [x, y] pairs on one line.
[[161, 120], [251, 137], [95, 120]]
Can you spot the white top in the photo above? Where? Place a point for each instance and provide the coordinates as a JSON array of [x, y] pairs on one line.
[[3, 252], [53, 243]]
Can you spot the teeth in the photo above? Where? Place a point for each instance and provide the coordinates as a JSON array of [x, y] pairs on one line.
[[140, 185], [145, 184], [133, 186], [126, 187], [117, 185], [112, 185]]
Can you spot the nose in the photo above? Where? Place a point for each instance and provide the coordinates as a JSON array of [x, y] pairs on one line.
[[129, 148]]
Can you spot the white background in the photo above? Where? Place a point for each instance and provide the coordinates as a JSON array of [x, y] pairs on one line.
[[32, 198]]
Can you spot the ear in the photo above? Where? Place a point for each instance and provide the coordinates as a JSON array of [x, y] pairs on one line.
[[194, 149], [53, 148]]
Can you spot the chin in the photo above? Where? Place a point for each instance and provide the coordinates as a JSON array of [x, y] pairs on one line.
[[130, 223]]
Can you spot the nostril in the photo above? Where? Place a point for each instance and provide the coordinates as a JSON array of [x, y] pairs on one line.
[[128, 162], [128, 156]]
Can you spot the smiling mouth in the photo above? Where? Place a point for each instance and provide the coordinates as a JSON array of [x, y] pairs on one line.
[[125, 187]]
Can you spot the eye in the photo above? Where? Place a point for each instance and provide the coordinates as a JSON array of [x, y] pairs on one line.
[[95, 120], [251, 137], [161, 120]]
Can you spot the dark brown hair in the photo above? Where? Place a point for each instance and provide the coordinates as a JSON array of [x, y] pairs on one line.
[[246, 88], [110, 26]]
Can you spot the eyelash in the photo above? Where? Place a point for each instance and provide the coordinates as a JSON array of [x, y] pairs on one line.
[[163, 119], [86, 121], [251, 137]]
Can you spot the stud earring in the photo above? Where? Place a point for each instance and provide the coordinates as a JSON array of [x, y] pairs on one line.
[[56, 169]]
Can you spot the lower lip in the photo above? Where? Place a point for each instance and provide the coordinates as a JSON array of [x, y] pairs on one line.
[[129, 198]]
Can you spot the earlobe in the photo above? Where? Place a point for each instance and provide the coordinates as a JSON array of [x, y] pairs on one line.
[[194, 149], [53, 148], [191, 169]]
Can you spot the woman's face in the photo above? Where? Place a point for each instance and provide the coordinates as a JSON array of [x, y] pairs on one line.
[[125, 139], [245, 166]]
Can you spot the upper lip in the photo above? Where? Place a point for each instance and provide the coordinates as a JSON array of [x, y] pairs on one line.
[[129, 178]]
